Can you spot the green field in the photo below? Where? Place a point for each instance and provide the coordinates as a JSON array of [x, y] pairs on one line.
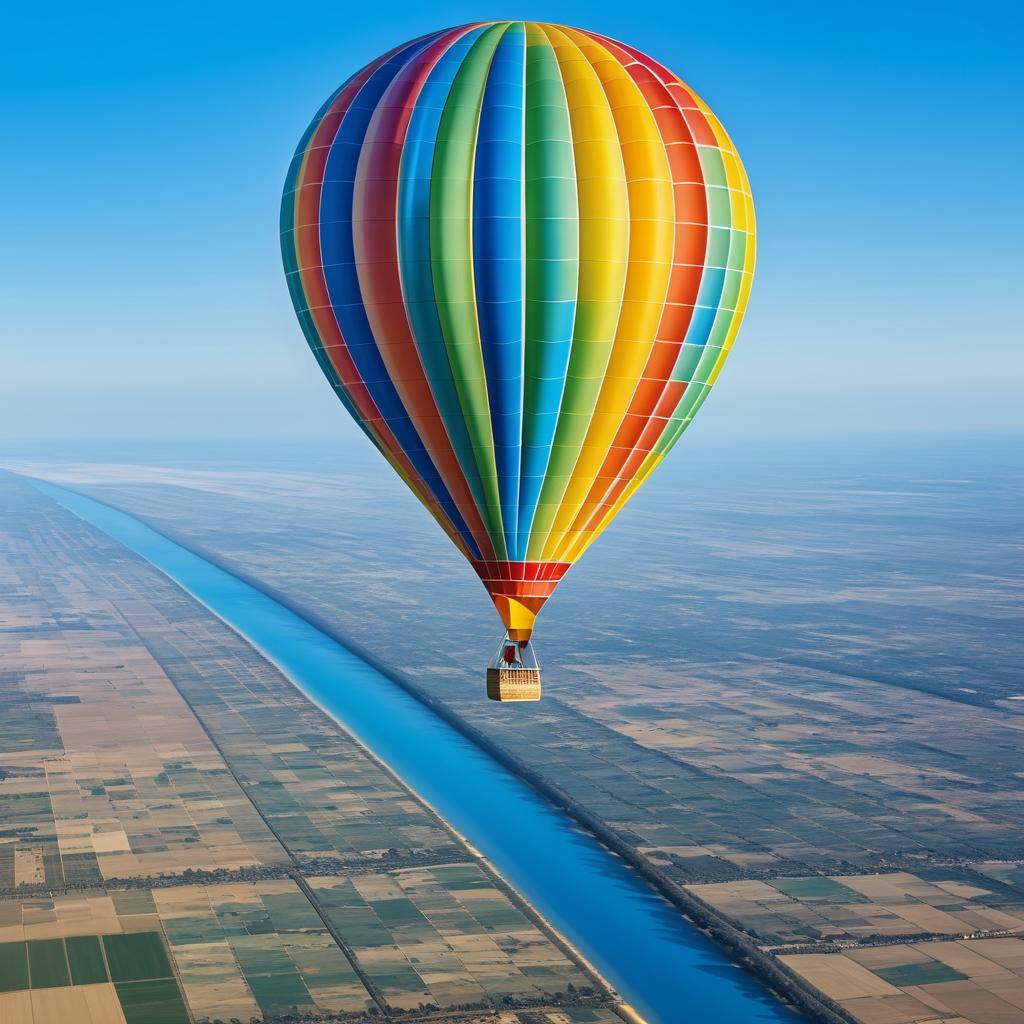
[[460, 877], [280, 994], [133, 901], [152, 1002], [86, 960], [47, 963], [815, 889], [138, 957], [919, 974], [13, 966], [499, 914]]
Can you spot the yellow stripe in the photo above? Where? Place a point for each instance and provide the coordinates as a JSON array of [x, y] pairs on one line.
[[741, 206], [651, 241], [603, 203]]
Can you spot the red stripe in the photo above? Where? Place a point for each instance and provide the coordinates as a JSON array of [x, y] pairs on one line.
[[309, 259], [310, 265], [529, 572], [642, 424], [530, 583], [375, 236]]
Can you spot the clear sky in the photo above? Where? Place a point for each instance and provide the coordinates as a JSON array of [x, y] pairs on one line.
[[144, 147]]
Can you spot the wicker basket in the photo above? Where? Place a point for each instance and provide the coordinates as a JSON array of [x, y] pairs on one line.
[[513, 683]]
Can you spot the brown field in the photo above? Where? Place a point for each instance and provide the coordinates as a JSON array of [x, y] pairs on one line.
[[120, 780], [839, 978], [80, 1004], [87, 913], [863, 907], [973, 981]]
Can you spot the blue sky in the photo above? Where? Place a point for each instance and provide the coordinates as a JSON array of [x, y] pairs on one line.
[[144, 150]]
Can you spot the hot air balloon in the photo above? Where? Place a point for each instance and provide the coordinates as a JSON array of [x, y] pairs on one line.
[[520, 253]]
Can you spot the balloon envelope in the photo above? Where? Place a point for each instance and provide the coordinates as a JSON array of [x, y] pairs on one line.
[[520, 253]]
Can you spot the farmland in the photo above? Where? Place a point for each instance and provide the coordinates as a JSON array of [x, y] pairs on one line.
[[971, 980], [799, 703], [121, 976], [443, 936], [186, 838], [818, 909]]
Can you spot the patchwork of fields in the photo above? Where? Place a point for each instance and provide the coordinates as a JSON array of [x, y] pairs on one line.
[[96, 958], [92, 790], [443, 936], [954, 982], [819, 909], [185, 838], [800, 702], [245, 951], [729, 691]]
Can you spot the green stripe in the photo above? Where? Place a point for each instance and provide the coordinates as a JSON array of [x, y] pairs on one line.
[[552, 267], [592, 340], [698, 388], [451, 261]]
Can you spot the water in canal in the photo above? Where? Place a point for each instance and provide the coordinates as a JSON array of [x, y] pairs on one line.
[[660, 964]]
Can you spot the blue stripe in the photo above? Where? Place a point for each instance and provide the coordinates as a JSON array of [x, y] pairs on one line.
[[709, 298], [551, 276], [338, 253], [498, 265], [415, 174], [293, 278]]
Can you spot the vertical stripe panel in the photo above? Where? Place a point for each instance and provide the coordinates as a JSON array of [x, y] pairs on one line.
[[657, 394], [552, 269], [413, 237], [300, 243], [651, 240], [451, 261], [340, 275], [498, 264], [738, 257], [375, 245], [604, 220]]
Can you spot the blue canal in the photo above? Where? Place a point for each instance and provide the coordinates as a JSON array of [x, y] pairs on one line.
[[662, 966]]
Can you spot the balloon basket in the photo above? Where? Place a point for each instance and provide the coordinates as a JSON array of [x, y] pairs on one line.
[[513, 673]]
